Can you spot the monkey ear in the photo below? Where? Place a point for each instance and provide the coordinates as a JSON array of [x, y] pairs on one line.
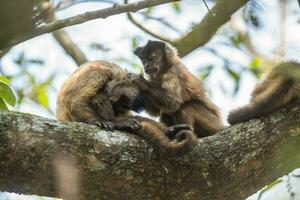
[[137, 51]]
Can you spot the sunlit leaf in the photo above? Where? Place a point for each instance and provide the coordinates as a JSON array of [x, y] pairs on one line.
[[43, 97], [255, 66], [7, 94], [134, 43], [4, 80], [176, 7], [205, 72], [3, 105]]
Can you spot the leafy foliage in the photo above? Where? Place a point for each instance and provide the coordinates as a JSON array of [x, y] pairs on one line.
[[6, 94]]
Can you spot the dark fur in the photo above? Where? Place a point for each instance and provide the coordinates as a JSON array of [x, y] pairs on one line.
[[97, 93], [281, 86], [173, 92]]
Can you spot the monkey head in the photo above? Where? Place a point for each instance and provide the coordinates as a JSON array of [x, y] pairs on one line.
[[156, 57], [124, 95]]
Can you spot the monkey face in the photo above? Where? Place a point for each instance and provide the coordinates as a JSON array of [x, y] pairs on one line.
[[124, 95], [153, 57]]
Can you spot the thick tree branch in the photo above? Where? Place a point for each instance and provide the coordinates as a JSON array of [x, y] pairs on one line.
[[201, 33], [103, 13], [233, 163], [66, 42]]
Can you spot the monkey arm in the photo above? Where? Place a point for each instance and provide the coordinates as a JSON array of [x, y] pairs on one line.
[[167, 96]]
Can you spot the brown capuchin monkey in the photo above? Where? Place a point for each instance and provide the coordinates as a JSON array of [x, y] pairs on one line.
[[280, 87], [97, 93], [173, 92]]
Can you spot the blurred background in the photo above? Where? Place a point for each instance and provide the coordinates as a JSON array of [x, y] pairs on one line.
[[257, 37]]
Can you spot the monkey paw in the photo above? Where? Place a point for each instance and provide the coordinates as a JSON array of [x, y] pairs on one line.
[[130, 125], [173, 130], [106, 125], [133, 124], [134, 78]]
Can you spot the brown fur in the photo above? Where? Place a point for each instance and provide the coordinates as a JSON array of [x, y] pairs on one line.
[[281, 86], [96, 93], [177, 93]]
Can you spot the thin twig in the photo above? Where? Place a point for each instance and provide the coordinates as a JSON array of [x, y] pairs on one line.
[[208, 8], [145, 29]]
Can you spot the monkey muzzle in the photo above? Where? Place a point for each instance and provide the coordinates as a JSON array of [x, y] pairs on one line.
[[150, 70]]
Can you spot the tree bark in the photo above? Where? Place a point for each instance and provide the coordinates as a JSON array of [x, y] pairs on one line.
[[232, 164]]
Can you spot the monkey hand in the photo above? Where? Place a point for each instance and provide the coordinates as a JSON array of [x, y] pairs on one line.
[[106, 125], [171, 131], [132, 77], [130, 125], [139, 80]]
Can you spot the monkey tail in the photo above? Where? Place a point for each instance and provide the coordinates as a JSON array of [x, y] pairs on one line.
[[272, 98], [185, 142], [153, 133]]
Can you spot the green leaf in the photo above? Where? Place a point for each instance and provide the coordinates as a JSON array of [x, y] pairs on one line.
[[149, 11], [3, 105], [7, 94], [4, 80], [134, 42], [205, 72], [43, 97], [232, 73], [176, 7]]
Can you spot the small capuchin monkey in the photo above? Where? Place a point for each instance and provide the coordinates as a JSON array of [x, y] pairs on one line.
[[173, 92], [97, 93], [280, 87]]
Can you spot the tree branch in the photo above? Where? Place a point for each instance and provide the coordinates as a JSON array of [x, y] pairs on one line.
[[66, 42], [201, 33], [233, 163], [103, 13]]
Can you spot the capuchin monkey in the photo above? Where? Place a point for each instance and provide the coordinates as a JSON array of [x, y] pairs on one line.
[[173, 92], [97, 93], [280, 87]]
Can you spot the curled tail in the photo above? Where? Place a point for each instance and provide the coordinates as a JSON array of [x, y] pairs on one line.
[[154, 133], [273, 96]]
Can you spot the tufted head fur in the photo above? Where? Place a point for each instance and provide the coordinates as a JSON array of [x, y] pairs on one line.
[[156, 57]]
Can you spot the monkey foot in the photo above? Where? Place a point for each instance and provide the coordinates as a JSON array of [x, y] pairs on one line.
[[173, 130], [128, 125], [106, 125]]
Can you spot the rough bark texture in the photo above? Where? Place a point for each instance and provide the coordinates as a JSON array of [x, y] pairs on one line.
[[229, 165]]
